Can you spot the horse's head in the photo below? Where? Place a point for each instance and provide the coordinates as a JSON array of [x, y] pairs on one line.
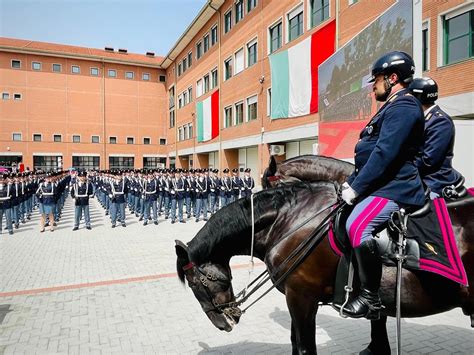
[[212, 287]]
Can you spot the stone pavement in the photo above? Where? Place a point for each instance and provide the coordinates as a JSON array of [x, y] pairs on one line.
[[115, 291]]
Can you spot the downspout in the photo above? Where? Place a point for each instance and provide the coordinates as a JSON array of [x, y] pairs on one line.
[[104, 132], [219, 38], [337, 24]]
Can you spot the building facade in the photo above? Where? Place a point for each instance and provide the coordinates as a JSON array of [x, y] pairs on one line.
[[224, 51]]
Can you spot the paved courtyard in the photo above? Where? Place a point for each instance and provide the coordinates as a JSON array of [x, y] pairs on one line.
[[115, 291]]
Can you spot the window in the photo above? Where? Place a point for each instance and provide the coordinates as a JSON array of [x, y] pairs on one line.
[[16, 96], [16, 137], [190, 59], [185, 98], [206, 43], [130, 140], [179, 69], [162, 78], [36, 65], [172, 119], [239, 10], [95, 139], [94, 71], [459, 37], [239, 113], [180, 134], [146, 141], [57, 68], [16, 64], [152, 162], [76, 138], [146, 77], [85, 162], [112, 73], [295, 23], [199, 88], [5, 96], [269, 101], [206, 83], [129, 75], [214, 35], [113, 140], [46, 163], [352, 2], [214, 82], [228, 68], [252, 108], [251, 53], [121, 162], [75, 69], [228, 117], [199, 50], [185, 64], [171, 97], [190, 130], [57, 138], [190, 94], [36, 137], [162, 141], [185, 134], [228, 21], [239, 61], [251, 4], [319, 11], [180, 101], [425, 47], [275, 37]]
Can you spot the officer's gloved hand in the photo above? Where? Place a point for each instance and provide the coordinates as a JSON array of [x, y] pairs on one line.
[[348, 194]]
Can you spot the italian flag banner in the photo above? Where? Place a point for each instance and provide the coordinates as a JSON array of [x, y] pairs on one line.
[[295, 74], [208, 117]]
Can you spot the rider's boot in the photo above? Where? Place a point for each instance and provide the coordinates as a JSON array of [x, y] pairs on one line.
[[368, 303]]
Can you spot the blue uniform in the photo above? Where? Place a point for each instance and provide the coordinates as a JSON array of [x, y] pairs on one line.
[[435, 164]]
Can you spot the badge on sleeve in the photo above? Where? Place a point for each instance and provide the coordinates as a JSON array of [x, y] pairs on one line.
[[370, 129]]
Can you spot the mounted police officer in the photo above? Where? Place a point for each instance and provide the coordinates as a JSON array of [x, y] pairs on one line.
[[385, 175], [81, 191], [247, 184], [435, 164]]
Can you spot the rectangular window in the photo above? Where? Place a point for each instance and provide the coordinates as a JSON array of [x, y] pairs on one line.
[[185, 98], [180, 134], [185, 64], [185, 129], [37, 137], [275, 37], [152, 162], [47, 163], [199, 88], [121, 162], [16, 137], [113, 140], [76, 139], [252, 108], [228, 21], [214, 35], [180, 101], [94, 71], [5, 96], [57, 68], [239, 113], [199, 50], [319, 11], [172, 119], [95, 139], [239, 10], [75, 69], [146, 141], [228, 117], [162, 141], [269, 101], [112, 73], [85, 162], [214, 78], [57, 138], [16, 64], [424, 49], [190, 130], [171, 97], [16, 96], [206, 43], [130, 140], [129, 75], [36, 65], [206, 83], [239, 61], [251, 53], [162, 78], [190, 94], [459, 37], [190, 59], [179, 69], [295, 24], [251, 4], [228, 68], [146, 77]]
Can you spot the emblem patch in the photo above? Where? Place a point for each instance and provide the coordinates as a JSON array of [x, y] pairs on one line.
[[370, 129]]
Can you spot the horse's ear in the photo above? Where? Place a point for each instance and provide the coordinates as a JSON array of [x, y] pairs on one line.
[[183, 258], [272, 166]]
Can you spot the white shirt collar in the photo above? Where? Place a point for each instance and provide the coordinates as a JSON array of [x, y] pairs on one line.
[[427, 111]]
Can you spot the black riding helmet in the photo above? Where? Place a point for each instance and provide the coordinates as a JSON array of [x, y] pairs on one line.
[[394, 62], [425, 90]]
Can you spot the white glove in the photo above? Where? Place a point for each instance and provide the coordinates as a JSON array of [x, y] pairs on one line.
[[348, 194]]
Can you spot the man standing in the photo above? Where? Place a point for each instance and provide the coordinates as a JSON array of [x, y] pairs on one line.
[[117, 190], [201, 189], [5, 204], [213, 190], [236, 184], [178, 186], [247, 184], [46, 192], [150, 190], [81, 190], [226, 188]]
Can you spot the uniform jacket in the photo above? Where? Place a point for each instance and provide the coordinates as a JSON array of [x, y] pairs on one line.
[[226, 186], [150, 189], [81, 193], [201, 187], [5, 196], [117, 191], [46, 192]]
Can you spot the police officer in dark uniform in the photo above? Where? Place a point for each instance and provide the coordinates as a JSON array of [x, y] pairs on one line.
[[226, 188], [385, 175], [81, 191], [150, 191], [117, 190], [202, 189], [5, 204], [236, 184], [435, 163]]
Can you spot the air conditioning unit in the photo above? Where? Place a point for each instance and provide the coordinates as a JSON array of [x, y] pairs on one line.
[[277, 149]]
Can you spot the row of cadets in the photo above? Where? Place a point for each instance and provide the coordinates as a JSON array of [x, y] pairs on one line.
[[81, 191]]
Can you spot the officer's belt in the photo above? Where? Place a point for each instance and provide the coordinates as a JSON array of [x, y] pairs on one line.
[[150, 192], [5, 198]]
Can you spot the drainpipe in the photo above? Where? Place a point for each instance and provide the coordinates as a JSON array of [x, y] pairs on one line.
[[104, 131]]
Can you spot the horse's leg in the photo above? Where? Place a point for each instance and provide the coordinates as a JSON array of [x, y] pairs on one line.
[[303, 311], [379, 339]]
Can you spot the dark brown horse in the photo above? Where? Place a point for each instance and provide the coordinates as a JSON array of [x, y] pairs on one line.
[[204, 262]]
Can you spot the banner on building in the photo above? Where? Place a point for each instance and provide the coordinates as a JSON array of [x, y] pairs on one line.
[[207, 113], [295, 74]]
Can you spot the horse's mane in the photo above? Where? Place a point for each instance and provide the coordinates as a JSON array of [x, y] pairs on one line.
[[322, 157], [234, 219]]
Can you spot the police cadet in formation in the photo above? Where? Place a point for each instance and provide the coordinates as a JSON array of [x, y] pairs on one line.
[[435, 163], [226, 188], [117, 190], [236, 185], [81, 191], [47, 192], [202, 190], [178, 187], [248, 184], [5, 203], [166, 185], [385, 176], [214, 186], [150, 193]]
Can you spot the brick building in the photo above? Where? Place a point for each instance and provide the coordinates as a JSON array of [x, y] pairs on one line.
[[225, 50]]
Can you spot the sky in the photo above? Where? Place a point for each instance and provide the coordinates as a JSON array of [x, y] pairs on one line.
[[136, 25]]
